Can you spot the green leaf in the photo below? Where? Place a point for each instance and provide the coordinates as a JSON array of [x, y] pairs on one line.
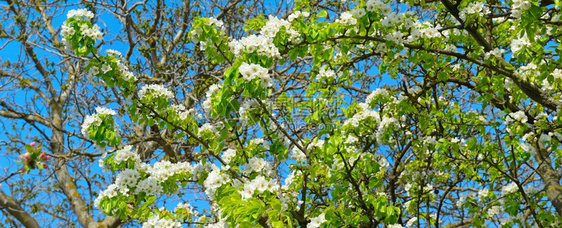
[[150, 199], [255, 23]]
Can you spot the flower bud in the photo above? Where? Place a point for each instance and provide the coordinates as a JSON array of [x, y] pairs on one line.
[[44, 156], [32, 144], [27, 157]]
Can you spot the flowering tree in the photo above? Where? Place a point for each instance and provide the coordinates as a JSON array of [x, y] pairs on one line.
[[46, 94], [356, 114]]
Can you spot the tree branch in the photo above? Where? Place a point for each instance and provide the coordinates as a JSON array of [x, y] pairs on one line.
[[14, 208]]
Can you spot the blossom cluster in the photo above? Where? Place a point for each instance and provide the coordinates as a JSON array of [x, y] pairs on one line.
[[527, 71], [373, 5], [214, 181], [127, 178], [496, 52], [155, 91], [325, 73], [258, 165], [157, 173], [188, 209], [214, 21], [474, 8], [181, 111], [494, 210], [251, 71], [274, 24], [261, 45], [346, 18], [122, 156], [80, 13], [510, 188], [34, 157], [67, 30], [557, 74], [298, 155], [364, 112], [95, 119], [162, 170], [209, 94], [157, 222], [358, 12], [109, 66], [316, 221], [395, 36], [519, 43], [378, 92], [92, 32], [125, 72], [207, 128], [82, 24], [424, 30], [228, 155], [518, 7], [297, 14], [518, 116], [260, 184], [150, 186]]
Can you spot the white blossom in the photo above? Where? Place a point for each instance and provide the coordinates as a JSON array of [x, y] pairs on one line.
[[496, 52], [156, 222], [214, 21], [261, 45], [395, 226], [316, 221], [483, 193], [190, 210], [228, 155], [67, 30], [298, 155], [510, 188], [251, 71], [94, 119], [297, 14], [80, 13], [89, 121], [149, 186], [474, 8], [494, 210], [358, 12], [323, 73], [125, 154], [127, 178], [162, 170], [519, 43], [411, 221], [273, 25], [105, 111], [207, 127], [214, 180], [518, 116], [156, 90], [94, 71], [346, 19], [113, 52], [519, 6]]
